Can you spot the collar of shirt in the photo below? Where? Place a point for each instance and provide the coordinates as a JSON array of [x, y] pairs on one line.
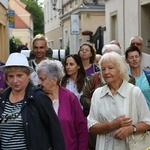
[[121, 90]]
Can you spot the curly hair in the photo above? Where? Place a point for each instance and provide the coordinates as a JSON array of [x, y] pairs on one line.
[[93, 51]]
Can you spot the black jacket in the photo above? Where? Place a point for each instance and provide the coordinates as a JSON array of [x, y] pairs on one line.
[[41, 124]]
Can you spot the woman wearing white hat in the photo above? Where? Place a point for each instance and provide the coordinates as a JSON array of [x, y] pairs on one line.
[[27, 118]]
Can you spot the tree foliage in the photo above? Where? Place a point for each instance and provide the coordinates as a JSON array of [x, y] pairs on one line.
[[13, 43], [37, 13]]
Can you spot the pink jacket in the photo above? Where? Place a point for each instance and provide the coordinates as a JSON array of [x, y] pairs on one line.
[[73, 122]]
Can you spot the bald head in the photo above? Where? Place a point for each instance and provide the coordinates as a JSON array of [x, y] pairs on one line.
[[115, 42]]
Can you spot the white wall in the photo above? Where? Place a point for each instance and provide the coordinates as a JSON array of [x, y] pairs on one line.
[[128, 20]]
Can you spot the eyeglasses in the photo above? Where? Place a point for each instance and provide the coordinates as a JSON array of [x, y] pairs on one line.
[[136, 43]]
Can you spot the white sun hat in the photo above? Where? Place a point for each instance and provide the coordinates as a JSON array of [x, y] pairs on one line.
[[16, 59]]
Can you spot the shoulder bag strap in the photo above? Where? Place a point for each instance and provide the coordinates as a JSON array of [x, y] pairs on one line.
[[147, 73], [130, 102], [33, 65], [130, 108], [130, 115], [95, 80]]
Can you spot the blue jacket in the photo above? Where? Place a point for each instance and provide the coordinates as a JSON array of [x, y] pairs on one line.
[[41, 124]]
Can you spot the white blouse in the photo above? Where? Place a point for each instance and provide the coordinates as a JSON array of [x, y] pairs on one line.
[[105, 107], [72, 86], [56, 105]]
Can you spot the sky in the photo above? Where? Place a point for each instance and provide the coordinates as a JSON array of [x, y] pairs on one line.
[[41, 1]]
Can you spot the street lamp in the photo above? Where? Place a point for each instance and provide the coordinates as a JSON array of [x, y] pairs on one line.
[[54, 2]]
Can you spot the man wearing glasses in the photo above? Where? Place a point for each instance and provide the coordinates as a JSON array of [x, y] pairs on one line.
[[138, 41]]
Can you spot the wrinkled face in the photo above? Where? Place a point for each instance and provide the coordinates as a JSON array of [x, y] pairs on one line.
[[46, 82], [39, 48], [137, 42], [18, 80], [133, 59], [85, 52], [110, 72], [71, 66]]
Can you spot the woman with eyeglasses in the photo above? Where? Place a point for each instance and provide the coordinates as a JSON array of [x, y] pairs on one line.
[[87, 53], [74, 78]]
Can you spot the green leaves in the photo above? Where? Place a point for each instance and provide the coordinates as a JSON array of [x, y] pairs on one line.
[[37, 13]]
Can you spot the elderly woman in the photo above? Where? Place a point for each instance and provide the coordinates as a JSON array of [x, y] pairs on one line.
[[95, 81], [27, 118], [109, 115], [66, 105]]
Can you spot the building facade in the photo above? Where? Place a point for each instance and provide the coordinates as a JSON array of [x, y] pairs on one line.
[[4, 44], [125, 19], [23, 28], [67, 23]]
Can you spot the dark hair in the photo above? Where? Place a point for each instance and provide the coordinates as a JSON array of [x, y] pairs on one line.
[[132, 49], [93, 51], [21, 47], [81, 73]]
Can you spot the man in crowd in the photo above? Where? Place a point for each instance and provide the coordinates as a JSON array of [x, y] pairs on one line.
[[116, 43], [39, 46]]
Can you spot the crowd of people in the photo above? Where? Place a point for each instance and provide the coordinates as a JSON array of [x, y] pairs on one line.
[[87, 102]]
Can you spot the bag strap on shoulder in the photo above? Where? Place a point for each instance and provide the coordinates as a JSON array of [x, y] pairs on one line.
[[95, 80], [31, 63], [147, 73]]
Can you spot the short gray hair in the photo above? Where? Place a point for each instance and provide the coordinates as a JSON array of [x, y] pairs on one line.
[[119, 61], [51, 69], [111, 48], [136, 37]]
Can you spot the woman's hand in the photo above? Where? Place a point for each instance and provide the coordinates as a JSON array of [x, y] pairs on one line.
[[104, 128], [121, 121], [123, 132]]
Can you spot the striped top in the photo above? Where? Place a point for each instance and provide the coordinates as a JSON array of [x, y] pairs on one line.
[[12, 136]]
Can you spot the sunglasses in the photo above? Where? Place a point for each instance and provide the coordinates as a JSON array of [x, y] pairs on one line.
[[136, 43]]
